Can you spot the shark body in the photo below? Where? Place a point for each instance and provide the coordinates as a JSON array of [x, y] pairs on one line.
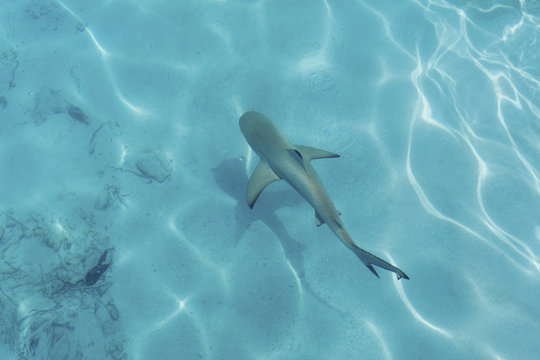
[[280, 159]]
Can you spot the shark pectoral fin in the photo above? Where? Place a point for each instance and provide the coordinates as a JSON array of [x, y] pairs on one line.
[[311, 153], [318, 219], [369, 260], [261, 178]]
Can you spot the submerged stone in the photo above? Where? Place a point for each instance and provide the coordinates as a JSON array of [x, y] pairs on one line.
[[77, 114], [154, 164]]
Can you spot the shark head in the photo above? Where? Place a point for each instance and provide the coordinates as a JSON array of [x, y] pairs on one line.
[[261, 133], [255, 126]]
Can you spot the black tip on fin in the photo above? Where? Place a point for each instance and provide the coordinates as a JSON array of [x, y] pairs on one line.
[[403, 275], [372, 269]]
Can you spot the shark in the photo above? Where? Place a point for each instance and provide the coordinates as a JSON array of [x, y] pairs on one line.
[[280, 159]]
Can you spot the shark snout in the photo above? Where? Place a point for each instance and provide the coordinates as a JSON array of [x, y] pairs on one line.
[[253, 124], [249, 120]]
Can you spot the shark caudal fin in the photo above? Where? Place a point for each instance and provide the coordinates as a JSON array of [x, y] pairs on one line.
[[369, 260]]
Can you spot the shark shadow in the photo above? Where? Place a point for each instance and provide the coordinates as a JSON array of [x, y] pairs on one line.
[[230, 177]]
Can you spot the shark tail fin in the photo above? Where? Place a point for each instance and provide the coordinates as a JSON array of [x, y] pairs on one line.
[[369, 260]]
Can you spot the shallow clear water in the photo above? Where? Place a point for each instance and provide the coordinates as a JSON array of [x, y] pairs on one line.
[[121, 156]]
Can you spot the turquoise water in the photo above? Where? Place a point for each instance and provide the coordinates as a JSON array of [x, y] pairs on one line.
[[121, 156]]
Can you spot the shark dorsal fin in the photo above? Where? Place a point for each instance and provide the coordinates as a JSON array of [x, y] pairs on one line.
[[310, 153], [297, 155], [261, 178]]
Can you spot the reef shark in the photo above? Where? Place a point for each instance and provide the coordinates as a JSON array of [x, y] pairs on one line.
[[280, 159]]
